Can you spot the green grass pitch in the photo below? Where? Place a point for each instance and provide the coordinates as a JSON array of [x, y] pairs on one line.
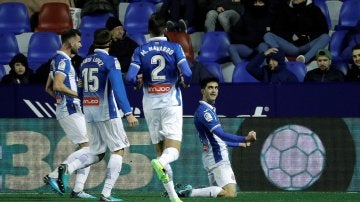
[[155, 197]]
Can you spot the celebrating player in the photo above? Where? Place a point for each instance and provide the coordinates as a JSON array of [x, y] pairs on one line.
[[163, 68]]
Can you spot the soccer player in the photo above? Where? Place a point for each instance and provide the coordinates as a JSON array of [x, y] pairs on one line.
[[163, 68], [215, 141], [62, 84], [103, 94]]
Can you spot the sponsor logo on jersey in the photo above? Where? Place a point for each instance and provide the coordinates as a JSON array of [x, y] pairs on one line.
[[62, 65], [117, 64], [91, 101], [159, 88], [208, 117]]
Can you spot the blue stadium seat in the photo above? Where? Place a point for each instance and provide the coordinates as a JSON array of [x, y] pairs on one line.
[[2, 71], [241, 75], [8, 48], [349, 14], [297, 68], [133, 21], [87, 38], [324, 9], [14, 17], [336, 45], [215, 69], [214, 47], [42, 47], [89, 23], [94, 21]]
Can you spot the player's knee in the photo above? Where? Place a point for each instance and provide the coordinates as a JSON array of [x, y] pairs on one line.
[[229, 194]]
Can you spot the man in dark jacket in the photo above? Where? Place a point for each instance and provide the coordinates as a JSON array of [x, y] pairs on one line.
[[121, 47], [228, 12], [20, 71], [325, 72], [247, 36], [275, 71], [354, 72], [300, 30]]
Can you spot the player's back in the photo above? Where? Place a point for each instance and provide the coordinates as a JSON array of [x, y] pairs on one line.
[[158, 60], [98, 98]]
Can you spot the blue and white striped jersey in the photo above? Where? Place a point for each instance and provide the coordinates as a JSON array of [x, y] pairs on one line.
[[161, 63], [206, 121], [66, 105], [103, 89]]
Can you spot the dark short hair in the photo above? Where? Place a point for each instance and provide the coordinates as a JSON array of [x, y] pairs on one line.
[[207, 80], [102, 38], [356, 47], [157, 24], [70, 33]]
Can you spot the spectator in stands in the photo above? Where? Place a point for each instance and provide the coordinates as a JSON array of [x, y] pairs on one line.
[[227, 12], [325, 72], [179, 13], [354, 72], [300, 30], [20, 72], [122, 47], [201, 10], [95, 7], [274, 71], [247, 36]]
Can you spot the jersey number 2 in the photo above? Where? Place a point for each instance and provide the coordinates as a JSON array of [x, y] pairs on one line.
[[160, 62]]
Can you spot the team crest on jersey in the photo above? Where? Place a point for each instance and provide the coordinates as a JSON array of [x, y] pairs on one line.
[[208, 117], [117, 64], [61, 65]]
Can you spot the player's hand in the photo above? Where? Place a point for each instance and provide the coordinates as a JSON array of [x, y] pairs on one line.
[[132, 120], [251, 137], [245, 144], [140, 82], [183, 83], [271, 50]]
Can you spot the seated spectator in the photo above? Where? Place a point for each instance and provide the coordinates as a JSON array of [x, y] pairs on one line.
[[180, 14], [274, 71], [247, 36], [95, 7], [300, 30], [227, 12], [20, 72], [121, 47], [325, 72], [353, 73]]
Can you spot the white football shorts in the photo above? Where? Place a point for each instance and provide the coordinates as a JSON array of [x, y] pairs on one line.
[[74, 127], [221, 175], [165, 123], [105, 134]]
